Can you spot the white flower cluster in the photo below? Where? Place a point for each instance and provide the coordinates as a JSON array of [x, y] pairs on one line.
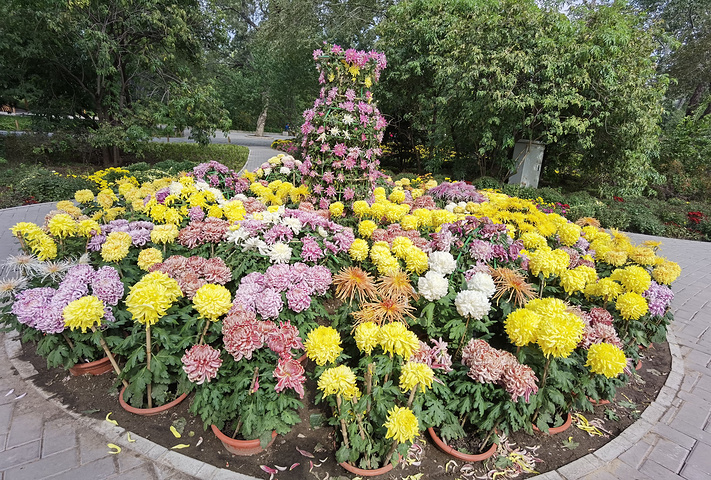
[[434, 285]]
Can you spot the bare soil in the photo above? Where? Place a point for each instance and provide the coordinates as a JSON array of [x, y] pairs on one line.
[[97, 396]]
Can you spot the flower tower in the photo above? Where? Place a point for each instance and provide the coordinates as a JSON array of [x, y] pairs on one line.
[[344, 129]]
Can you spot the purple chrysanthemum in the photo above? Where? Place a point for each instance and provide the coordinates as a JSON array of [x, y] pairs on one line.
[[107, 285]]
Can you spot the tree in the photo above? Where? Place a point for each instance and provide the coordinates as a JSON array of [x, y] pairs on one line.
[[475, 76], [123, 64]]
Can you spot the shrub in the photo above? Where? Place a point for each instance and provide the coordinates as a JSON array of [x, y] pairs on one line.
[[550, 195], [647, 223], [613, 217], [487, 182], [233, 156], [46, 186]]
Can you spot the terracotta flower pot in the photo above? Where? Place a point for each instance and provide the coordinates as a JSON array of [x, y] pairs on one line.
[[147, 412], [456, 453], [639, 365], [367, 473], [240, 447], [97, 367], [602, 401], [562, 428]]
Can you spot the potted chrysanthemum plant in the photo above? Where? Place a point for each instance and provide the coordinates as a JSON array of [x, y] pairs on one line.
[[376, 421], [247, 393]]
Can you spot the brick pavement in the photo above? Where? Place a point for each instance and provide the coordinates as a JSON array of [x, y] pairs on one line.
[[672, 439]]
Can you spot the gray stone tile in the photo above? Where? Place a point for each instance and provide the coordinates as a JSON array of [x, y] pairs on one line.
[[58, 436], [90, 449], [96, 470], [24, 428], [700, 458], [693, 473], [669, 455], [654, 471], [674, 435], [58, 463], [636, 455], [19, 455], [6, 417]]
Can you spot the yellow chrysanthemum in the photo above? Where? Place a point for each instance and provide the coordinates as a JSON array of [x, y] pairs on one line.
[[172, 289], [666, 273], [416, 260], [361, 208], [409, 222], [367, 336], [424, 216], [558, 335], [68, 207], [116, 246], [569, 233], [632, 306], [606, 359], [164, 233], [616, 258], [214, 211], [414, 374], [339, 380], [548, 262], [323, 345], [106, 198], [378, 209], [86, 227], [84, 196], [234, 211], [643, 255], [402, 425], [397, 196], [395, 338], [401, 246], [547, 307], [83, 313], [573, 281], [149, 257], [606, 288], [533, 241], [151, 297], [359, 250], [366, 228], [62, 225], [335, 209], [521, 326], [633, 278], [212, 301]]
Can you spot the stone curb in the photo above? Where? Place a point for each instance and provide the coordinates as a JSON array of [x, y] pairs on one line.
[[169, 459], [632, 434]]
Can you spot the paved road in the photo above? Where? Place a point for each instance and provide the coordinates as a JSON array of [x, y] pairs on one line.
[[672, 440]]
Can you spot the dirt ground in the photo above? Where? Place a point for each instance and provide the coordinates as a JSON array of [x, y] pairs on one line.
[[97, 396]]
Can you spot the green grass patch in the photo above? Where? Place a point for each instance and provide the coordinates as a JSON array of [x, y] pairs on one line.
[[8, 123]]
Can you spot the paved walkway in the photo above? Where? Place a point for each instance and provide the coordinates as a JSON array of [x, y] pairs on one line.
[[40, 439]]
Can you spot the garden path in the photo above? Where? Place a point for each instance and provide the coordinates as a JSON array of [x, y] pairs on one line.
[[672, 440]]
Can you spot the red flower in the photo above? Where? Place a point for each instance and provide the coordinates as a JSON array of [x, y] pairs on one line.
[[619, 199], [695, 217]]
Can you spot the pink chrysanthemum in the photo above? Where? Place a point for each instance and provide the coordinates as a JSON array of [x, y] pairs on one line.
[[283, 339], [290, 374], [268, 303], [201, 363], [298, 298], [519, 380], [216, 271]]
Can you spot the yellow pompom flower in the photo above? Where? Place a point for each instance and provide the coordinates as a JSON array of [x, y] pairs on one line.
[[212, 301], [361, 208], [667, 272], [424, 216], [116, 246], [379, 192], [400, 246], [643, 255], [163, 234], [83, 313], [616, 258], [416, 260], [388, 266], [573, 281], [106, 198], [149, 257], [547, 307], [413, 374], [214, 211], [366, 228], [631, 306], [359, 250], [521, 326], [323, 345], [45, 248], [367, 336], [339, 381], [409, 222], [395, 338], [151, 297], [173, 215], [402, 425], [84, 196], [606, 288], [86, 227], [533, 241], [397, 196], [559, 335], [335, 209], [569, 233], [377, 210], [548, 262], [62, 225], [172, 289], [633, 278], [606, 359]]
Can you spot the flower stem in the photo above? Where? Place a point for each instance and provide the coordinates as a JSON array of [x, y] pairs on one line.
[[390, 453], [108, 354], [69, 342], [204, 332], [412, 395], [344, 429], [369, 385], [148, 363]]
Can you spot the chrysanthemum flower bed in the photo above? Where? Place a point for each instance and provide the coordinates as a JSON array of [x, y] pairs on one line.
[[416, 305]]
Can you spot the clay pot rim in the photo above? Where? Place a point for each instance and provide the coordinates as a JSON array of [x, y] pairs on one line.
[[457, 454], [235, 441], [554, 430], [367, 473], [149, 411], [83, 368]]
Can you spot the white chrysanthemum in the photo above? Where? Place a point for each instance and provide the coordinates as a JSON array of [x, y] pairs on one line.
[[255, 243], [348, 119], [472, 303], [284, 170], [280, 253], [433, 286], [12, 286], [482, 282], [296, 162], [238, 235], [450, 207], [442, 262], [323, 232], [293, 223], [267, 171], [176, 188]]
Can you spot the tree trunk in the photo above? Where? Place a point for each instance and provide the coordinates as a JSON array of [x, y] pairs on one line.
[[695, 98], [116, 156], [106, 155], [262, 120]]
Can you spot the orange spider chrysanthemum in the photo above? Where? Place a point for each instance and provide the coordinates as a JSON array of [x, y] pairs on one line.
[[514, 284], [352, 281], [385, 310], [397, 285]]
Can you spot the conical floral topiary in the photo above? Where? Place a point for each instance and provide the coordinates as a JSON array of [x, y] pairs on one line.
[[344, 129]]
